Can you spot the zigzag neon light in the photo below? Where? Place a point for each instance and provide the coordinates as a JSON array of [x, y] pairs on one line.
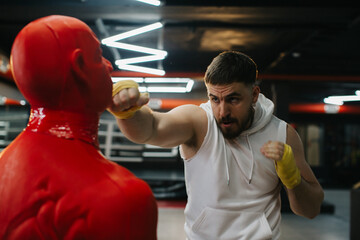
[[156, 54]]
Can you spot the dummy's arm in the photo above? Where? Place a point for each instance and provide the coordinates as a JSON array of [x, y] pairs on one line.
[[142, 125], [304, 191]]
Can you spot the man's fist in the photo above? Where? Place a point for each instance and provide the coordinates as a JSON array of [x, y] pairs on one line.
[[285, 164], [127, 99], [273, 150]]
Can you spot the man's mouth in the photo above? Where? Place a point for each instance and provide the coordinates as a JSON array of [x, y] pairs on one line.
[[227, 123]]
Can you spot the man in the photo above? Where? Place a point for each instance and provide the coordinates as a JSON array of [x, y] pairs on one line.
[[54, 182], [236, 153]]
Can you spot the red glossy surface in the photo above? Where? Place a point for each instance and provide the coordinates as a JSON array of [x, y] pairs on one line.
[[63, 124], [54, 182]]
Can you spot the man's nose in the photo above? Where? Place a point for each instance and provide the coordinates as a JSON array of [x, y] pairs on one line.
[[224, 109]]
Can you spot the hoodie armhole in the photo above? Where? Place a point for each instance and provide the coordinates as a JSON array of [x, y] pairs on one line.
[[282, 131], [204, 143]]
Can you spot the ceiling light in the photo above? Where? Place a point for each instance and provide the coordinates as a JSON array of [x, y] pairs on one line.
[[167, 80], [142, 69], [154, 80], [156, 54], [139, 59], [296, 54], [166, 89], [161, 85], [151, 2], [136, 48], [132, 33], [339, 100], [136, 79], [333, 101], [189, 86]]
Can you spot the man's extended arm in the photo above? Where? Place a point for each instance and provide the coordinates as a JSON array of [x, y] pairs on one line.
[[162, 129]]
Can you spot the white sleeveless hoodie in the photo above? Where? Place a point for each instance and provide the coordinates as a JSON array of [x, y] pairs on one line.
[[233, 190]]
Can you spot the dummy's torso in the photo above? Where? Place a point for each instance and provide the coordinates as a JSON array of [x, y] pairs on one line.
[[55, 188]]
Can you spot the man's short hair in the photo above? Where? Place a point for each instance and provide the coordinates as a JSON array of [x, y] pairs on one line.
[[229, 67]]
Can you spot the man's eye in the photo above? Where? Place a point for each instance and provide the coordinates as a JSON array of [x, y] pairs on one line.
[[215, 100], [234, 100]]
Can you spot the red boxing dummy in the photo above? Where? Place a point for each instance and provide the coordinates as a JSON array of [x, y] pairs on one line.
[[54, 182]]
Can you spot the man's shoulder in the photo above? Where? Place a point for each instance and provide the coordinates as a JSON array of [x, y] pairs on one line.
[[199, 120], [277, 121], [195, 112]]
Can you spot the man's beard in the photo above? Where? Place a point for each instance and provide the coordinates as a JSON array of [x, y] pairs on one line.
[[241, 126]]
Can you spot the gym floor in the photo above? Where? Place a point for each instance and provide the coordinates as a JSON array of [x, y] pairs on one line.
[[334, 226]]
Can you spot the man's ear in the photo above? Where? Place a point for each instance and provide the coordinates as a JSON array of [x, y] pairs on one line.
[[256, 92], [78, 64]]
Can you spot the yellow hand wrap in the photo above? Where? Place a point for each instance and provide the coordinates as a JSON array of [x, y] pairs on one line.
[[287, 170], [117, 87]]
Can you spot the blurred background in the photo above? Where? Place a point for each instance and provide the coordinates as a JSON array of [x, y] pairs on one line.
[[307, 54]]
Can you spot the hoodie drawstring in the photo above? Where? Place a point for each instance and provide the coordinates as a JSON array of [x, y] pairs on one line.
[[248, 174], [252, 159], [227, 168]]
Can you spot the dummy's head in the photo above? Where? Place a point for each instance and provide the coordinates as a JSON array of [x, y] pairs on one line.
[[229, 67], [57, 63]]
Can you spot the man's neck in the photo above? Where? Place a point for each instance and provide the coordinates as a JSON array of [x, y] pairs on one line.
[[251, 119], [65, 124]]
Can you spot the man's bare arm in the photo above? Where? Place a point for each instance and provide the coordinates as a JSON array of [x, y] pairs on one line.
[[304, 191], [169, 129], [162, 129], [307, 197]]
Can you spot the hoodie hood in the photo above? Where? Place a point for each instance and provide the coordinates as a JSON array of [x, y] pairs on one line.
[[240, 148], [264, 109]]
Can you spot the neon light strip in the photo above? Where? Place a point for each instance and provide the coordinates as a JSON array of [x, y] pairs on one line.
[[339, 100], [136, 48], [166, 89], [138, 80], [189, 86], [132, 33], [161, 89], [139, 59], [153, 80], [151, 2], [167, 80], [335, 102], [142, 69], [124, 64]]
